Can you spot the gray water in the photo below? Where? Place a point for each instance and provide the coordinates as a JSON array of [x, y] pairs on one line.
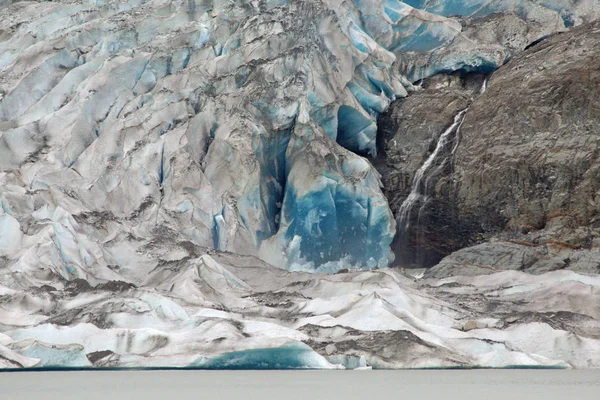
[[305, 385]]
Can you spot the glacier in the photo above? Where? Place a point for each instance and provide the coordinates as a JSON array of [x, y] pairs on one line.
[[235, 312], [159, 158], [230, 122]]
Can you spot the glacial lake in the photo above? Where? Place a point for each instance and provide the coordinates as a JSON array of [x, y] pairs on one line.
[[305, 385]]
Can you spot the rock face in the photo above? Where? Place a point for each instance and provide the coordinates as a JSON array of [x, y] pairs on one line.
[[409, 133], [528, 159], [525, 167], [528, 148]]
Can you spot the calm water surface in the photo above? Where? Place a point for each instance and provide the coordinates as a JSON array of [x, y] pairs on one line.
[[305, 385]]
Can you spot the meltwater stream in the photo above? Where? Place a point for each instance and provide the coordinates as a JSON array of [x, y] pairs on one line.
[[419, 191]]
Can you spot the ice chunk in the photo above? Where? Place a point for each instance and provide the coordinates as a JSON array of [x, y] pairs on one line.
[[290, 356], [11, 359], [333, 208], [10, 233], [53, 355]]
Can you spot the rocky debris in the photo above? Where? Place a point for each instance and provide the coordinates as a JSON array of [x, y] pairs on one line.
[[470, 325], [104, 358], [389, 349], [486, 258], [511, 30], [497, 255]]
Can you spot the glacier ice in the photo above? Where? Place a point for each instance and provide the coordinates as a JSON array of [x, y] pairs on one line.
[[290, 356], [195, 115], [61, 356], [231, 311], [571, 11], [328, 190], [150, 149]]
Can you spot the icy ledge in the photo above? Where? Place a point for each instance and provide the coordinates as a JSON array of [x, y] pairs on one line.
[[227, 311]]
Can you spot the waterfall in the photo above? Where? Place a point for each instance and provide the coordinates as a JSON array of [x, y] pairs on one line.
[[418, 190], [484, 86], [410, 245]]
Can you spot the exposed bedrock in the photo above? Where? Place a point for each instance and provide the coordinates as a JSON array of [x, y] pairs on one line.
[[412, 142], [525, 171]]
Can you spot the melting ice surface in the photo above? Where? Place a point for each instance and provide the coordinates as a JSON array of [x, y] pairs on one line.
[[234, 312]]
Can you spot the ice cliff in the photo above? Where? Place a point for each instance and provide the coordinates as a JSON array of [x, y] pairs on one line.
[[243, 125]]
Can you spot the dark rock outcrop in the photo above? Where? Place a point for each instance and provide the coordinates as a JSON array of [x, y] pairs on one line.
[[526, 171], [408, 135], [529, 146]]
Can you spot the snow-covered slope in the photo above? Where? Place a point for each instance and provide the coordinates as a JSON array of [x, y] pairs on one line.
[[228, 311]]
